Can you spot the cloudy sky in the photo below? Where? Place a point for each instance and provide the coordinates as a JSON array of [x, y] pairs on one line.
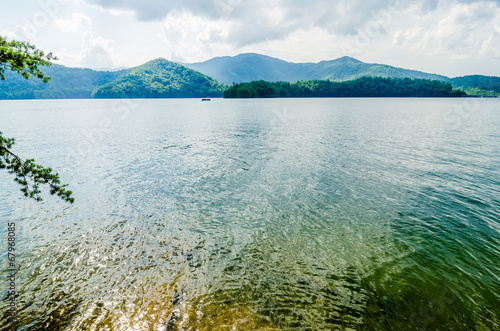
[[450, 37]]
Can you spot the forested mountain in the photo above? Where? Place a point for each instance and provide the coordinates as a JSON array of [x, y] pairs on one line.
[[161, 78], [66, 83], [347, 68], [156, 79], [252, 67], [367, 87]]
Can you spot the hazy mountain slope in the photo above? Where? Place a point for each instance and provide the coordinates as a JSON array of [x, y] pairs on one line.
[[66, 83], [252, 67], [161, 78], [249, 67], [347, 68]]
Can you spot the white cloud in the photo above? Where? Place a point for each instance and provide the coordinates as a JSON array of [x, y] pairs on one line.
[[189, 38], [458, 57], [491, 46], [269, 20], [8, 34], [78, 22], [261, 20], [96, 52], [462, 30]]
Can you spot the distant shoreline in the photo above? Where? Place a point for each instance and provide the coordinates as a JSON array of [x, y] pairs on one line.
[[371, 87]]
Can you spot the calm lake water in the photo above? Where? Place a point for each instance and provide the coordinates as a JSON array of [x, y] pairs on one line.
[[296, 214]]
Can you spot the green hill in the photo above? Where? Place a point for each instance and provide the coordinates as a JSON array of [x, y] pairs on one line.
[[477, 85], [66, 83], [161, 78], [347, 68]]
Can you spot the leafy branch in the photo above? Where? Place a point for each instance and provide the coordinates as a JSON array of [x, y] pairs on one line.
[[23, 58], [31, 175]]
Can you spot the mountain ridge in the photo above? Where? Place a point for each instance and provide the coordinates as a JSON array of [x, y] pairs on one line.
[[230, 70], [66, 83], [341, 69], [72, 83]]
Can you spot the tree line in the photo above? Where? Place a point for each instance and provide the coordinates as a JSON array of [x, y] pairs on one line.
[[362, 87]]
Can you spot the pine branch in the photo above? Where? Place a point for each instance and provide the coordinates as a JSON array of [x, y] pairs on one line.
[[30, 175]]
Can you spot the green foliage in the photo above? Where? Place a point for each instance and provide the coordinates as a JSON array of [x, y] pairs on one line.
[[478, 92], [31, 175], [161, 79], [363, 87], [23, 58], [478, 85]]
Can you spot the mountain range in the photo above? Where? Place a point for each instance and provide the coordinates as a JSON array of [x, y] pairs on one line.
[[252, 67], [161, 78]]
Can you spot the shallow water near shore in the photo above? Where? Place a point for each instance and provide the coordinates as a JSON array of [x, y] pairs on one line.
[[286, 214]]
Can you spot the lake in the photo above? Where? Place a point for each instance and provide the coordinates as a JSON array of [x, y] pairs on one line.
[[283, 214]]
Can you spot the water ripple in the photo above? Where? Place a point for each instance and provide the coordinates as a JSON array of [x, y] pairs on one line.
[[346, 214]]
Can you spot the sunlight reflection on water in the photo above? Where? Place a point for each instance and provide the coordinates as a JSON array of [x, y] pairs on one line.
[[258, 214]]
